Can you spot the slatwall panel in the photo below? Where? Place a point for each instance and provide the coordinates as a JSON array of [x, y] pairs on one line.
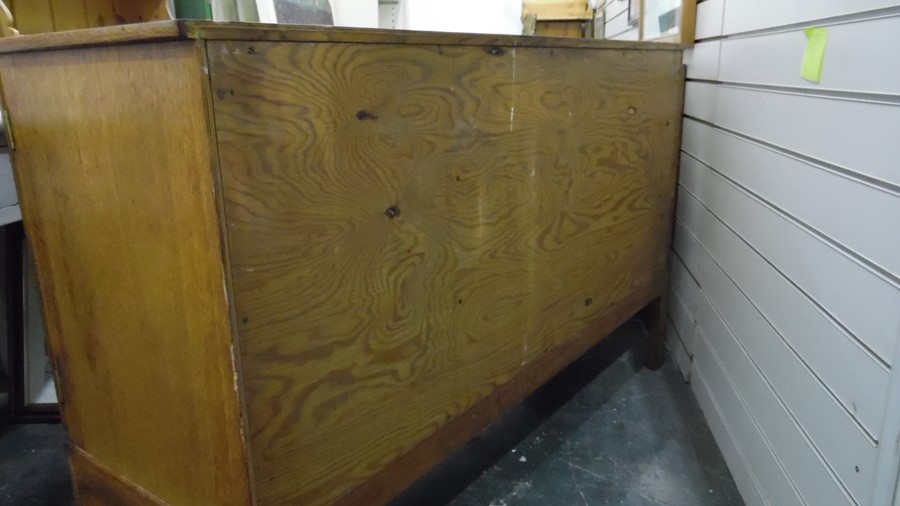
[[617, 27], [788, 228], [615, 7], [709, 19], [748, 15], [773, 59]]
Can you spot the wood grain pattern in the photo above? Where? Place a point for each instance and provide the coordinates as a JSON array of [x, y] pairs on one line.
[[115, 177], [560, 29], [42, 16], [97, 485], [401, 473], [68, 15], [167, 30], [32, 16], [413, 228], [557, 9]]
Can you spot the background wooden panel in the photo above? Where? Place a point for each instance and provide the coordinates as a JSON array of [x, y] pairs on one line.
[[41, 16], [67, 14], [533, 191], [100, 12], [556, 9], [573, 29], [32, 16], [121, 216]]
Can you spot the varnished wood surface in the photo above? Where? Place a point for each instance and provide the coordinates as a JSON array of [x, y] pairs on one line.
[[168, 30], [98, 485], [402, 472], [560, 29], [156, 31], [115, 179], [557, 9], [39, 16], [412, 228]]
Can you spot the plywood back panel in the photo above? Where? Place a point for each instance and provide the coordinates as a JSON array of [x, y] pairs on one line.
[[410, 226], [116, 183]]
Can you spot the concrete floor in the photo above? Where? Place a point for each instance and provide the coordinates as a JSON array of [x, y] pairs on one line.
[[604, 431]]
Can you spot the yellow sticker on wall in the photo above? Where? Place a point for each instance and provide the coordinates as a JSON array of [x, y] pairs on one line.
[[814, 54]]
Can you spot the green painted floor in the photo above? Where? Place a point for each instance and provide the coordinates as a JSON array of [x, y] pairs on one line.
[[604, 431]]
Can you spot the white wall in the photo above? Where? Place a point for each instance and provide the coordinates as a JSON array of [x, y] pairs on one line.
[[466, 16], [357, 13], [785, 294]]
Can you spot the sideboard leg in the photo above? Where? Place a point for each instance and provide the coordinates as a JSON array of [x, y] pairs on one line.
[[654, 318]]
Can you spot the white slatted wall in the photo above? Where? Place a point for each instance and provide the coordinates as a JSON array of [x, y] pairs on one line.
[[785, 292], [617, 26]]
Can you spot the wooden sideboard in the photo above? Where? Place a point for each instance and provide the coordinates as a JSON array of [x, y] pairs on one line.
[[299, 265]]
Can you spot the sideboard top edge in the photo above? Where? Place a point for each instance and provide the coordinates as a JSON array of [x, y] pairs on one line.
[[153, 31], [192, 29]]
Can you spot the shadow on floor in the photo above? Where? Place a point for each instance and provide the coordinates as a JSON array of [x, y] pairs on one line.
[[603, 431], [33, 467]]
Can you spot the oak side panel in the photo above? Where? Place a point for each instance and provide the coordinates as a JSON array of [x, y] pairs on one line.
[[415, 229], [115, 176]]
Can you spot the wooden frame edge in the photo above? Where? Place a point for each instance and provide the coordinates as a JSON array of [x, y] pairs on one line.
[[225, 251], [94, 483]]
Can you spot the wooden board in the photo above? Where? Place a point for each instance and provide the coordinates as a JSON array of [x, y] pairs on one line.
[[41, 16], [573, 29], [116, 183], [186, 29], [557, 9], [415, 229], [32, 16]]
